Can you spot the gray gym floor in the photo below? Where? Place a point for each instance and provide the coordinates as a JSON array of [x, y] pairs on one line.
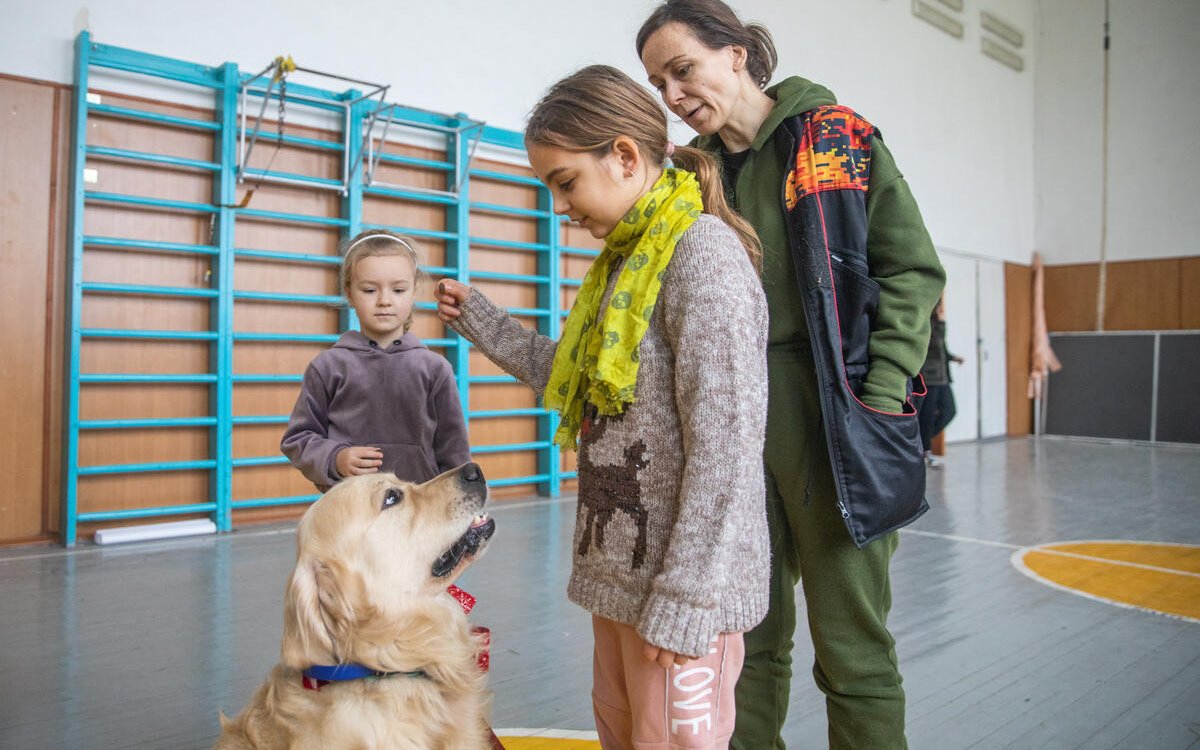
[[140, 646]]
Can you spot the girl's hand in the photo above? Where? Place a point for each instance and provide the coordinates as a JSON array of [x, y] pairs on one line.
[[358, 459], [666, 659], [450, 296]]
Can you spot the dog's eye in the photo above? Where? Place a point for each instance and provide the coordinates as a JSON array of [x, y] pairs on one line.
[[392, 497]]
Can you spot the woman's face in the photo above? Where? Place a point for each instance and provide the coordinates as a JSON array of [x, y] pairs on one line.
[[699, 85]]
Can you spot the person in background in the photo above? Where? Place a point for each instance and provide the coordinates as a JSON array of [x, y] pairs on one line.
[[937, 409]]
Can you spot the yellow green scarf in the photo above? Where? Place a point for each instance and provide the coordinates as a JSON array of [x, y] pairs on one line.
[[599, 363]]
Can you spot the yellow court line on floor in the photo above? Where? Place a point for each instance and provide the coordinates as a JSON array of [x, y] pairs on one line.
[[1177, 558], [547, 739], [1109, 571]]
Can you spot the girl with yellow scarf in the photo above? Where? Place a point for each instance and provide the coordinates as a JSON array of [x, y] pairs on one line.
[[659, 379]]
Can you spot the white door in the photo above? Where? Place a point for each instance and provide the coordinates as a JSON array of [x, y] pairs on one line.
[[961, 337], [993, 372]]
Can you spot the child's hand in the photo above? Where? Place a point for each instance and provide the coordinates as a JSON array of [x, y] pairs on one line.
[[358, 459], [666, 659], [450, 296]]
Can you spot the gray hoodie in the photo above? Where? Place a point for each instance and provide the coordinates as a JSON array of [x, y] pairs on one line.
[[402, 400]]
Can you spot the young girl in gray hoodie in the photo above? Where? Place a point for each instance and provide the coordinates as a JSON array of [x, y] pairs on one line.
[[378, 400]]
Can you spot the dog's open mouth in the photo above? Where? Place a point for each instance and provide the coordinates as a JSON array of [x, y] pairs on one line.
[[467, 545]]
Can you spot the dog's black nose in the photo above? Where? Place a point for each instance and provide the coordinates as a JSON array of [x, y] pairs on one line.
[[472, 473]]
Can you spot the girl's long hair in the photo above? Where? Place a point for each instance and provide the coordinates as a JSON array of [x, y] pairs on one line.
[[589, 110]]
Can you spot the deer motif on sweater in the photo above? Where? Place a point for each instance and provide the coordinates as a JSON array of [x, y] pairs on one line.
[[612, 488]]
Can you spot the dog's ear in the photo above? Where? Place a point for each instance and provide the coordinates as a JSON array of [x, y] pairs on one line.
[[320, 615]]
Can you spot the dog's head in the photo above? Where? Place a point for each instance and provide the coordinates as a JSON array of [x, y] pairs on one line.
[[374, 556]]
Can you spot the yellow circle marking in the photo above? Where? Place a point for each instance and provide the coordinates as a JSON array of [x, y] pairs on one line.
[[1154, 576], [547, 739]]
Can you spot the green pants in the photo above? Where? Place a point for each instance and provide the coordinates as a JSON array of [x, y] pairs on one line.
[[847, 590]]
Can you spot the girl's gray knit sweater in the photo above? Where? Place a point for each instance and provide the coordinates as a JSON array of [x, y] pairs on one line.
[[671, 529]]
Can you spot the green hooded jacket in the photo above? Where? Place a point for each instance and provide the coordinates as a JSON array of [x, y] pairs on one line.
[[902, 257]]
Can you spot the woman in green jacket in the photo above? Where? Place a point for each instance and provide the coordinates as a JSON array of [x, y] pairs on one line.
[[851, 276]]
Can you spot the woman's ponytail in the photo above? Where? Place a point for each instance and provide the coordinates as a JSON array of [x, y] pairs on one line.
[[712, 192]]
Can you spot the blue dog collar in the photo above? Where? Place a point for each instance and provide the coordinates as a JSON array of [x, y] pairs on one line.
[[319, 674]]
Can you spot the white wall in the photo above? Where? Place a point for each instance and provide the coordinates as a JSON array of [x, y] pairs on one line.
[[1154, 107], [959, 124]]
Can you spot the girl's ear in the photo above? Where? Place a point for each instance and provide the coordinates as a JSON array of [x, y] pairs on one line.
[[627, 153]]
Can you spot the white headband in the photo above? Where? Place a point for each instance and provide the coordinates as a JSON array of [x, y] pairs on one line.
[[381, 235]]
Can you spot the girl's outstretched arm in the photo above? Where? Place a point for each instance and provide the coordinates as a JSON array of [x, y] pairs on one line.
[[522, 352]]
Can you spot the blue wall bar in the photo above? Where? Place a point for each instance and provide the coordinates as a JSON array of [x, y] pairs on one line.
[[225, 82]]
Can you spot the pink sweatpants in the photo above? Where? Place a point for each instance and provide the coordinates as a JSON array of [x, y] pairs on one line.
[[641, 706]]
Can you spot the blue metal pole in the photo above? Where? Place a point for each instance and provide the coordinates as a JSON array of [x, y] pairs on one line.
[[224, 190], [75, 293], [352, 201], [458, 255], [549, 299]]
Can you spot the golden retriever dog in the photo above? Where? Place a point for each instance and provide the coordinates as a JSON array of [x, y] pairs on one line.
[[367, 609]]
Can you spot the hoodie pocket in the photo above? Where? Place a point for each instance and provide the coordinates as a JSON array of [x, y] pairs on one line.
[[412, 463]]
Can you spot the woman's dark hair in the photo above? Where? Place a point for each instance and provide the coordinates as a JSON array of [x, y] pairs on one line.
[[716, 26]]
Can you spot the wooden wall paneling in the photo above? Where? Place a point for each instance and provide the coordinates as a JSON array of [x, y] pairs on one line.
[[503, 193], [55, 305], [251, 274], [1071, 297], [278, 480], [140, 490], [138, 267], [251, 399], [283, 357], [147, 137], [143, 401], [123, 401], [490, 396], [498, 430], [122, 311], [109, 220], [426, 324], [504, 261], [1142, 295], [1189, 293], [256, 234], [143, 357], [500, 226], [126, 492], [279, 317], [574, 235], [257, 440], [1018, 332], [101, 447], [27, 119], [274, 357], [156, 180], [481, 365], [403, 214], [410, 175], [291, 199], [510, 294]]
